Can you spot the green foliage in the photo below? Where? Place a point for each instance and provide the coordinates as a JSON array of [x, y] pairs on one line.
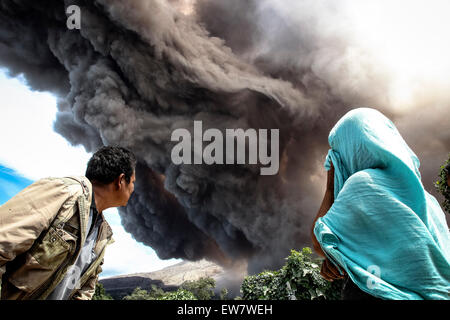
[[139, 294], [203, 288], [156, 291], [180, 294], [100, 293], [299, 279], [223, 294], [441, 185], [159, 294]]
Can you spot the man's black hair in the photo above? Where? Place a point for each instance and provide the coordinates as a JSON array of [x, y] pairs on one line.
[[110, 162]]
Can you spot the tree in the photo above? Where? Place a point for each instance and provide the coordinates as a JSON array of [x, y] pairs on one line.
[[159, 294], [442, 186], [203, 288], [180, 294], [223, 294], [139, 294], [298, 279], [100, 293]]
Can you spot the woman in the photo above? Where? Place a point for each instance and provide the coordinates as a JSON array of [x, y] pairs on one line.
[[377, 225]]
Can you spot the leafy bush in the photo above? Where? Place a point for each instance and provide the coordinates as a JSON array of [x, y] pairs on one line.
[[203, 288], [223, 294], [299, 279], [100, 293], [441, 185], [180, 294], [159, 294], [140, 294]]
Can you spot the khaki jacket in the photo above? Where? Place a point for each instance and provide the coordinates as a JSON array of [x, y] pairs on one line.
[[42, 230]]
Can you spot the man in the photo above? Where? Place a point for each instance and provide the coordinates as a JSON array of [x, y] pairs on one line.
[[53, 234]]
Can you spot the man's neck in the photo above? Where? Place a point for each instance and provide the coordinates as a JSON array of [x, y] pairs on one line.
[[100, 198]]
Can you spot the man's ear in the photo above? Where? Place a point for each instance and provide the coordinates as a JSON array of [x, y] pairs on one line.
[[120, 181]]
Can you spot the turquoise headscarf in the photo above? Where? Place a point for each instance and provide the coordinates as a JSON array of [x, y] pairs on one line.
[[384, 229]]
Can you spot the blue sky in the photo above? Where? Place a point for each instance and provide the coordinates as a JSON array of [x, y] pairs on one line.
[[11, 183], [31, 150]]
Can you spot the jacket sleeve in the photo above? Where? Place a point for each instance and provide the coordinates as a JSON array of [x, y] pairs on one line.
[[86, 292], [88, 289], [25, 216]]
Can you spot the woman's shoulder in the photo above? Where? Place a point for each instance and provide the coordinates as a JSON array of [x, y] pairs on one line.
[[367, 175], [367, 181]]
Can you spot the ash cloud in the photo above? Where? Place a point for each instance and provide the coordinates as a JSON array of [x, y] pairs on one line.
[[137, 70]]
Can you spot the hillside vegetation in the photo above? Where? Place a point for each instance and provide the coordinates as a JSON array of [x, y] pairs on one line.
[[298, 279]]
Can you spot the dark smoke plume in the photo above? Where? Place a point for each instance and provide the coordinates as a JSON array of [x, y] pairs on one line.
[[137, 70]]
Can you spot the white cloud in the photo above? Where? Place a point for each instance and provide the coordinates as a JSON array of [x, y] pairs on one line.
[[28, 143], [125, 255], [31, 147]]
